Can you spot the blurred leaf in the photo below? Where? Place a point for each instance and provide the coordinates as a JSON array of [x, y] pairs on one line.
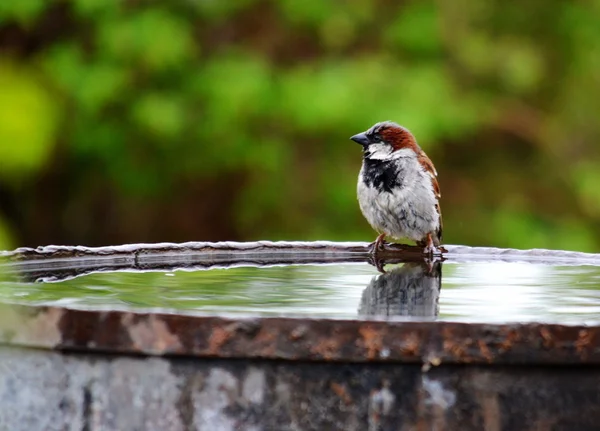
[[103, 140], [94, 8], [587, 181], [159, 114], [319, 98], [154, 38], [23, 11], [92, 84], [521, 65], [236, 88], [571, 234], [236, 91], [216, 9], [416, 28], [476, 52], [28, 121], [339, 31], [310, 11]]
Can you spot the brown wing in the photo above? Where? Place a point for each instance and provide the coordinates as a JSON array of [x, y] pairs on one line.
[[428, 165], [439, 231]]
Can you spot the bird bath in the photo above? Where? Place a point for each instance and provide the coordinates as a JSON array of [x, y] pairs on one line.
[[261, 336]]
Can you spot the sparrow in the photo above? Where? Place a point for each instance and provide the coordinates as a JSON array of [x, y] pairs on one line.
[[397, 190]]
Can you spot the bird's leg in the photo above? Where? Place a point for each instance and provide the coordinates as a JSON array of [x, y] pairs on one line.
[[429, 247], [379, 242]]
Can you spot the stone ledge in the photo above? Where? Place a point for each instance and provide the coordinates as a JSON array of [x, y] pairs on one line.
[[298, 339]]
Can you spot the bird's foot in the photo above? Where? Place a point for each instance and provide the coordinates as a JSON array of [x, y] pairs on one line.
[[429, 248], [377, 246]]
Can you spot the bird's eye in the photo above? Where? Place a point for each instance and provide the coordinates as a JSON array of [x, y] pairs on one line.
[[376, 138]]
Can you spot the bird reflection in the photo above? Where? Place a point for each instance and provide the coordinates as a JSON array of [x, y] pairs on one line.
[[412, 290]]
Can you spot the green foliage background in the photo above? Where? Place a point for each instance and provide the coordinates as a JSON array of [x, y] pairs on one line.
[[129, 121]]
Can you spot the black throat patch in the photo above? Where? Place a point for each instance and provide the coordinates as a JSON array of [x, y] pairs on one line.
[[383, 175]]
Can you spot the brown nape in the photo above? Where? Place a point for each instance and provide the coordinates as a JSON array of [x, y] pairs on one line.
[[399, 137]]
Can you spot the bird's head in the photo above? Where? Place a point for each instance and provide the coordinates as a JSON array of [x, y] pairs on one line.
[[384, 141]]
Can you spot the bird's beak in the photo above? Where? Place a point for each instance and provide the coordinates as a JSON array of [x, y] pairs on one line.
[[361, 139]]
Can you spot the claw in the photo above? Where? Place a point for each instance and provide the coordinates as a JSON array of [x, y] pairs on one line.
[[378, 244], [377, 263], [429, 249]]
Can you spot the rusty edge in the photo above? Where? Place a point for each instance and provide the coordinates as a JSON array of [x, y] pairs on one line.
[[278, 338]]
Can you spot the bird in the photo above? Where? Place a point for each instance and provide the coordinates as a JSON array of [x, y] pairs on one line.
[[398, 192]]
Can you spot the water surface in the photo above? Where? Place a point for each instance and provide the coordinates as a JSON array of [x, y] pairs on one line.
[[466, 292]]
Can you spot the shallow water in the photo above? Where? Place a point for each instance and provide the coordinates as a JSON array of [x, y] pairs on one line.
[[466, 292]]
